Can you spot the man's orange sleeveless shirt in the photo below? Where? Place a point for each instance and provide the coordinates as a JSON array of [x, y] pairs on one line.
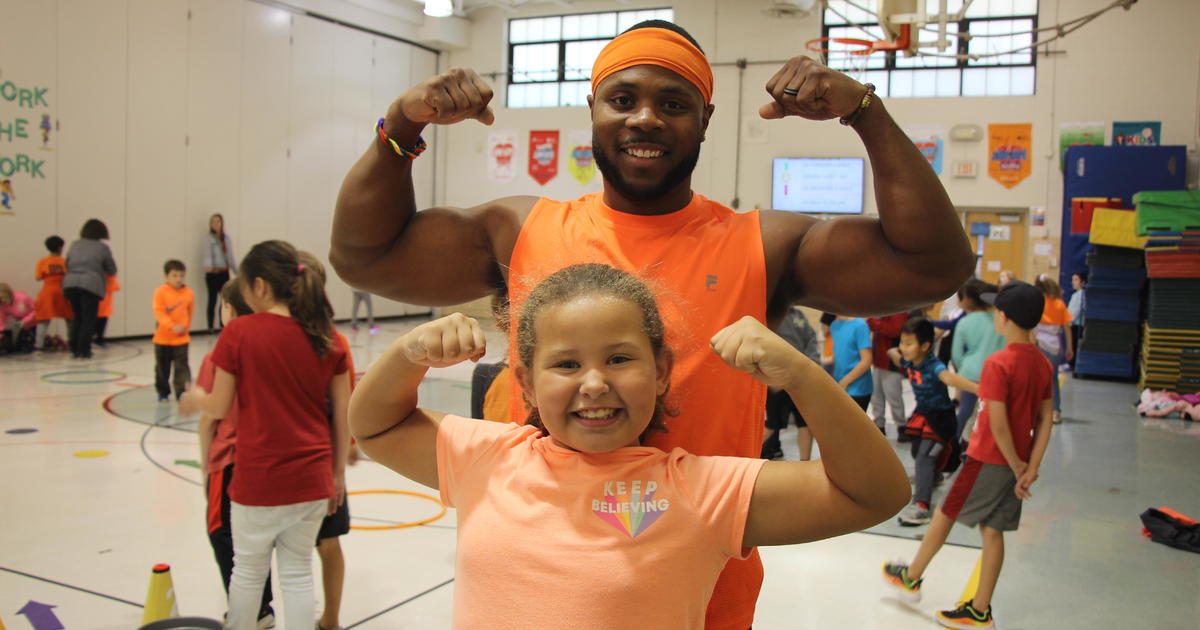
[[705, 264]]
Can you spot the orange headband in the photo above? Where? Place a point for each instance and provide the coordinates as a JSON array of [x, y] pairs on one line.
[[655, 47]]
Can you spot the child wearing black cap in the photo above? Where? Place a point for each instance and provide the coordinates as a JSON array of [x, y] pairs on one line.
[[1006, 451]]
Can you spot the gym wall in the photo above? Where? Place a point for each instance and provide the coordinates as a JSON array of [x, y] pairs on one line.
[[162, 119]]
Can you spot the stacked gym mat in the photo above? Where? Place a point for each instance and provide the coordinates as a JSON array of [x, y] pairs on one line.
[[1171, 353], [1110, 329]]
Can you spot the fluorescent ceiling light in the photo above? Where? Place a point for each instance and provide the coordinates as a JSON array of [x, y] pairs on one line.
[[439, 8]]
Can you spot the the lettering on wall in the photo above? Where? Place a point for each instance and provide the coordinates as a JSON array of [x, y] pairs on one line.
[[26, 127]]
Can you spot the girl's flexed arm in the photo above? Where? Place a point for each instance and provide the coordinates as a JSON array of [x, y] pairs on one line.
[[384, 417], [858, 481]]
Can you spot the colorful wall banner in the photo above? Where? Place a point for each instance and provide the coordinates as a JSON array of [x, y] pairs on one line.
[[1009, 148], [27, 134], [579, 155], [1075, 134], [1140, 134], [543, 155], [501, 152], [931, 141]]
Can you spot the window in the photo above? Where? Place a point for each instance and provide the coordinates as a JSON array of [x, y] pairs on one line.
[[994, 26], [550, 58]]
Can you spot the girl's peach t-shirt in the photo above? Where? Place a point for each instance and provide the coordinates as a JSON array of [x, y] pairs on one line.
[[553, 538]]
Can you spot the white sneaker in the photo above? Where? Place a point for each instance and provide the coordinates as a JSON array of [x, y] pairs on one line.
[[914, 515]]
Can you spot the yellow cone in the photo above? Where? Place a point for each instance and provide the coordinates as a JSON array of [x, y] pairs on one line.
[[160, 598], [972, 584]]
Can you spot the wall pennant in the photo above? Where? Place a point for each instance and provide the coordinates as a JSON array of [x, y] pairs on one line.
[[930, 141], [579, 156], [1009, 148], [501, 151], [543, 155]]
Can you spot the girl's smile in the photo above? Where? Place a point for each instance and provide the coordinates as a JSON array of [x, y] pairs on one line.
[[594, 392]]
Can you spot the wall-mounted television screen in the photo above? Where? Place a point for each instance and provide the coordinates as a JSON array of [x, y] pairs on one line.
[[817, 185]]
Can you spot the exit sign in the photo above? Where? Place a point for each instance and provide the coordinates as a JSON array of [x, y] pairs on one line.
[[966, 169]]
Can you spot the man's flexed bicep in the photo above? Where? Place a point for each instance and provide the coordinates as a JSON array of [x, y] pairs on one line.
[[382, 244], [848, 266], [440, 256]]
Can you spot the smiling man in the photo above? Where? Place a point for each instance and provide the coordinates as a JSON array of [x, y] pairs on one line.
[[650, 106]]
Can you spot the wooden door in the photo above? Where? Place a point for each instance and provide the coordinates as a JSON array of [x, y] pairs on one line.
[[1003, 243]]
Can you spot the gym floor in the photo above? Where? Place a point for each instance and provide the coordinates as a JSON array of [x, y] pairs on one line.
[[102, 485]]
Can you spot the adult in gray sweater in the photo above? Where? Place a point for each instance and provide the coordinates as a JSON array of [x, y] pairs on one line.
[[89, 263]]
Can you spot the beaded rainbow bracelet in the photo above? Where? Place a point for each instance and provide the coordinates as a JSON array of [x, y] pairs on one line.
[[862, 106], [401, 151]]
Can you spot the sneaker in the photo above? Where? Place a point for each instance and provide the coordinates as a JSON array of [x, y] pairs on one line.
[[913, 515], [373, 330], [896, 575], [267, 620], [164, 398], [966, 617]]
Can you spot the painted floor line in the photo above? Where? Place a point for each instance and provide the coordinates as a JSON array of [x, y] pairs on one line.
[[72, 587], [395, 606]]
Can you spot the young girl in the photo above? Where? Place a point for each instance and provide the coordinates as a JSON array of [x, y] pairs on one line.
[[975, 339], [570, 506], [290, 461], [218, 443], [1052, 332]]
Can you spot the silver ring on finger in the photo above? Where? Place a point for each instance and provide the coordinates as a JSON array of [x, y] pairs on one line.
[[791, 91]]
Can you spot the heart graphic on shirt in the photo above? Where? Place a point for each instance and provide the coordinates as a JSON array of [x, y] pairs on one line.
[[631, 513]]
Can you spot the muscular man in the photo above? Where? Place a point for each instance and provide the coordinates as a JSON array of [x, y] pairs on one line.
[[650, 107]]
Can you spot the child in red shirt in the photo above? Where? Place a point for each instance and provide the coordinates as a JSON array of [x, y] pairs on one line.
[[218, 439], [290, 459], [1006, 451]]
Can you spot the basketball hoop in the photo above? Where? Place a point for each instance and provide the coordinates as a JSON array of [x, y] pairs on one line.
[[869, 46]]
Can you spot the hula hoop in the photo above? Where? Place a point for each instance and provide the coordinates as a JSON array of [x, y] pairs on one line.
[[52, 377], [401, 525]]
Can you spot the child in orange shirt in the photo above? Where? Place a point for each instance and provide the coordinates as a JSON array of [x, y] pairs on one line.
[[173, 305], [612, 517], [105, 309], [50, 303]]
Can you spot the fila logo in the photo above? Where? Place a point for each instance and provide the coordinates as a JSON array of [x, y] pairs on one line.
[[710, 283]]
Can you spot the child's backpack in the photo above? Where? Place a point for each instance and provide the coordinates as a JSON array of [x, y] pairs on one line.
[[1166, 526]]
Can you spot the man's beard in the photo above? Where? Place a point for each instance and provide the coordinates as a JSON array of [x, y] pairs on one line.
[[654, 191]]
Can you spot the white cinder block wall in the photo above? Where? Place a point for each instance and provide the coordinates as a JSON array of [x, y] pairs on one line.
[[165, 117]]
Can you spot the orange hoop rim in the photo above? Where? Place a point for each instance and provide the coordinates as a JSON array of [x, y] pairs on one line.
[[419, 495], [868, 44], [902, 42]]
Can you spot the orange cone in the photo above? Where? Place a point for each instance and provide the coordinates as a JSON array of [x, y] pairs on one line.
[[160, 597]]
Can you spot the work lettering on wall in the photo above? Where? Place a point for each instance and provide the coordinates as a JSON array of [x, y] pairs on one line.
[[26, 126]]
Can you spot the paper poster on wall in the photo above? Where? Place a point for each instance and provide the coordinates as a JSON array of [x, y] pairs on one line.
[[993, 265], [579, 155], [501, 165], [1000, 233], [1043, 248], [26, 128], [1037, 216], [1074, 134], [931, 141], [543, 155], [1009, 147], [1140, 134]]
